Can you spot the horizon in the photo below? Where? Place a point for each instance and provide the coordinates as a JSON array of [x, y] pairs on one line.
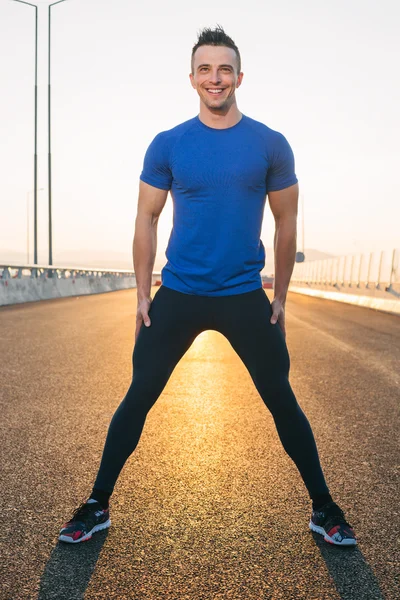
[[98, 259]]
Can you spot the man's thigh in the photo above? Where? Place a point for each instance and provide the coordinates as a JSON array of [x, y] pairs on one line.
[[175, 323], [245, 320]]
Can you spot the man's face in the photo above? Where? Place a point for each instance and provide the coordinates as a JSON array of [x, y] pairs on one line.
[[215, 68]]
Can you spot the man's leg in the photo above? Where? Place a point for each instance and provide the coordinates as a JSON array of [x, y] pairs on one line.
[[244, 320], [157, 351], [174, 327]]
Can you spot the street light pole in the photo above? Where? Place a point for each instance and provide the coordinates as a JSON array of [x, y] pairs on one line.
[[300, 256], [35, 143], [27, 229], [27, 224], [49, 130]]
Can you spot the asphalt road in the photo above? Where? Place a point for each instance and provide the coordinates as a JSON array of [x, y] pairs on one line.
[[209, 506]]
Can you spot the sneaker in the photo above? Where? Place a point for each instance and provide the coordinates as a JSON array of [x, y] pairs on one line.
[[329, 521], [86, 520]]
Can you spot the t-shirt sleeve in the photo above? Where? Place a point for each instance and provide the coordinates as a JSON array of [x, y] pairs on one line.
[[281, 173], [156, 165]]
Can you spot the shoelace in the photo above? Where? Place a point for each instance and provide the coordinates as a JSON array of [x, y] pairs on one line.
[[337, 520], [82, 510], [335, 516]]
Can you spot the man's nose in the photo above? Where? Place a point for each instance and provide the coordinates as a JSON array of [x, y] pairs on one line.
[[215, 77]]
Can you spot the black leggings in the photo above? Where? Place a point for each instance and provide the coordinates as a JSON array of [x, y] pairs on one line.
[[244, 319]]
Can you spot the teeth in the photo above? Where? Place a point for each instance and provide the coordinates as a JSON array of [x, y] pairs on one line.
[[215, 91]]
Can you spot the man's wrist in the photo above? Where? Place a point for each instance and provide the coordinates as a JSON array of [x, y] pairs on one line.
[[143, 296], [281, 298]]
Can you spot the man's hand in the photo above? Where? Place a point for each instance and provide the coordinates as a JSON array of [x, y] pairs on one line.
[[278, 314], [142, 315]]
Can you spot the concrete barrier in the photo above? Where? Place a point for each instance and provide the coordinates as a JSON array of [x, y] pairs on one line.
[[382, 301], [15, 291], [32, 283]]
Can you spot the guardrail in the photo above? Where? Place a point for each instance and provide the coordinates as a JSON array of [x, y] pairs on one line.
[[47, 272], [376, 270], [27, 283]]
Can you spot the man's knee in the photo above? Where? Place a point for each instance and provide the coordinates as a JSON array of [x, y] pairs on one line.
[[277, 394], [148, 385]]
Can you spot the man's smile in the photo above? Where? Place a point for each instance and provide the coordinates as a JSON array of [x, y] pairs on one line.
[[215, 91]]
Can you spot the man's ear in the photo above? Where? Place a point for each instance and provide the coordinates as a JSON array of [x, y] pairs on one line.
[[191, 80]]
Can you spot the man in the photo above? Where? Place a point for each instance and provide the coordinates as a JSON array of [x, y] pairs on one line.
[[219, 167]]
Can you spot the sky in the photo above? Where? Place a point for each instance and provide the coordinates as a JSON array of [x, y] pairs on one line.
[[325, 74]]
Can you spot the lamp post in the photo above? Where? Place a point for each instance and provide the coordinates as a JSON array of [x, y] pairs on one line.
[[302, 219], [27, 224], [49, 129], [35, 143]]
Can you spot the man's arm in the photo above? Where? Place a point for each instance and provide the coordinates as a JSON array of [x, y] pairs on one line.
[[150, 204], [283, 193], [284, 204]]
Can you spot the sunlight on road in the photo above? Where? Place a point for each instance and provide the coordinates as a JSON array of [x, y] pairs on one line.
[[202, 340]]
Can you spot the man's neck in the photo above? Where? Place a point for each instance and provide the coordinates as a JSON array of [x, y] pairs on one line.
[[219, 120]]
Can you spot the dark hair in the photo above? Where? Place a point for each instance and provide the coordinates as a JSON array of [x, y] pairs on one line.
[[215, 37]]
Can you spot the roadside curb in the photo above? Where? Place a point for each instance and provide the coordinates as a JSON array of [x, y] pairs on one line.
[[382, 304]]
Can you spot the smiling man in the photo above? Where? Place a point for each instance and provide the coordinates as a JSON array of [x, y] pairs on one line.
[[219, 167]]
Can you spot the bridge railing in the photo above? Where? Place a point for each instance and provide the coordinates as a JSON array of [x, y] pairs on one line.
[[8, 271], [378, 270]]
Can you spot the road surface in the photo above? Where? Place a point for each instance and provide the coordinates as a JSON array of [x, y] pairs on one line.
[[209, 506]]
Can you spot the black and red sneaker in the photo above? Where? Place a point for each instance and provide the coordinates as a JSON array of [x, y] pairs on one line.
[[329, 521], [86, 520]]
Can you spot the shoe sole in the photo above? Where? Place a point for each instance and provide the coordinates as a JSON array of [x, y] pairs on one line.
[[327, 538], [85, 538]]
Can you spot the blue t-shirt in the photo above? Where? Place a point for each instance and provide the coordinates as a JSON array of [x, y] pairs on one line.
[[219, 179]]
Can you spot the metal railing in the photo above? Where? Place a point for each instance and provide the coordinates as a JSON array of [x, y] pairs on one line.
[[45, 271], [376, 270]]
